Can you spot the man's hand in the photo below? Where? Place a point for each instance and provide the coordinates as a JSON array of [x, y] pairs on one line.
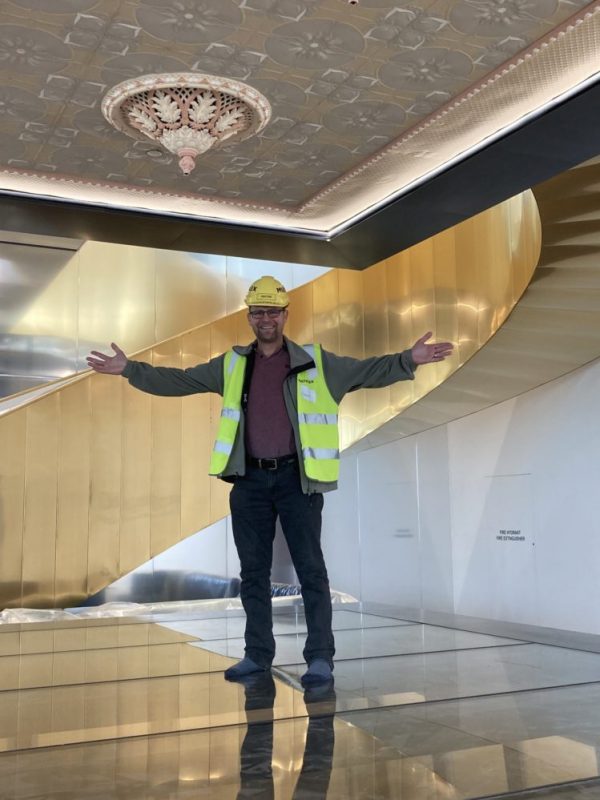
[[423, 353], [110, 365]]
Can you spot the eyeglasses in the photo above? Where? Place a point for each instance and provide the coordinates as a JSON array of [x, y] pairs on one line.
[[271, 313]]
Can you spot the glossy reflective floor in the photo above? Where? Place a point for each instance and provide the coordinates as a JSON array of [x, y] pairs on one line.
[[138, 708]]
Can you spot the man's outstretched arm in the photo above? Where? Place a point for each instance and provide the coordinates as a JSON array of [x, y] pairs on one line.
[[345, 374], [164, 381]]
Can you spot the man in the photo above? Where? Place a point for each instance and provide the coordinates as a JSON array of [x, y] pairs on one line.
[[278, 444]]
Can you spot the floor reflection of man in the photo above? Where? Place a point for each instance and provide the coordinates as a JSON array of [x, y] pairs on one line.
[[256, 757], [313, 782]]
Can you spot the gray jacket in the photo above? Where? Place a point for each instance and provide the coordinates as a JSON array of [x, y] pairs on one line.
[[342, 374]]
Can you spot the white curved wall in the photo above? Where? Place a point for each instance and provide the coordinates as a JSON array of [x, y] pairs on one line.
[[496, 515]]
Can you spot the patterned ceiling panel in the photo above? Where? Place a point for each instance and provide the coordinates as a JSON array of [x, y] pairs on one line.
[[344, 82]]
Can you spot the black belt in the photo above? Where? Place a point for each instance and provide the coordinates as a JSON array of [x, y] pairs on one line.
[[273, 463]]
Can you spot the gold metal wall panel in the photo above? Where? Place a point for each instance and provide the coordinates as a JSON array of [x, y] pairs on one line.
[[195, 286], [400, 325], [496, 291], [67, 668], [148, 456], [136, 479], [39, 315], [224, 334], [54, 311], [56, 715], [243, 332], [326, 311], [73, 500], [377, 339], [83, 634], [105, 480], [117, 297], [446, 319], [300, 324], [165, 460], [196, 442], [67, 303], [423, 295], [467, 289], [39, 520], [12, 486], [352, 342]]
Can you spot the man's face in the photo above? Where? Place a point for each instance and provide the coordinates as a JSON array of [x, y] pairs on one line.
[[267, 322]]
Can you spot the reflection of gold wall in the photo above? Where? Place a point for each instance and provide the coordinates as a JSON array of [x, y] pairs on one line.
[[103, 477]]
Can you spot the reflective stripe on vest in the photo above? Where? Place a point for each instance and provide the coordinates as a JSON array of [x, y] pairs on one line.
[[234, 368], [318, 421]]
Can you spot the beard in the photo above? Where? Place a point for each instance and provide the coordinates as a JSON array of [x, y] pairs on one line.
[[267, 335]]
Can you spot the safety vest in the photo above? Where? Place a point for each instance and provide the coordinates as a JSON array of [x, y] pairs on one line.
[[317, 418]]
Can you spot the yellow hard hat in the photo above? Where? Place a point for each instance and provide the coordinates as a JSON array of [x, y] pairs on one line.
[[267, 291]]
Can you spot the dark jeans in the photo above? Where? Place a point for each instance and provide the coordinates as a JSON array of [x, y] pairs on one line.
[[256, 756], [256, 501]]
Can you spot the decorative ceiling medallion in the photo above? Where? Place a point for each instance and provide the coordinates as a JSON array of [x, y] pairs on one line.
[[187, 113]]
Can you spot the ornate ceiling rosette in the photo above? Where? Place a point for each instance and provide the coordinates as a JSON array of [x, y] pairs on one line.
[[187, 113]]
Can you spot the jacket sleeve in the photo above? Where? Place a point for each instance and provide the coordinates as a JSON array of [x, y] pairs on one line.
[[344, 374], [174, 382]]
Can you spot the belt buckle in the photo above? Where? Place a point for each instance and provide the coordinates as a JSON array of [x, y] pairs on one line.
[[266, 462]]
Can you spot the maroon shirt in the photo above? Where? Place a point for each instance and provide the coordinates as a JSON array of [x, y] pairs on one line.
[[269, 432]]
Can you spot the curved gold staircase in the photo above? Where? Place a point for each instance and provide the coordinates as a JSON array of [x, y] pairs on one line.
[[553, 329]]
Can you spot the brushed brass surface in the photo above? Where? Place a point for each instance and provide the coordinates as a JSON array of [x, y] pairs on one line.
[[148, 484], [326, 312], [301, 323], [136, 480], [165, 457], [39, 531], [12, 483], [58, 715], [195, 451], [73, 494], [105, 482], [377, 340], [60, 304], [400, 315], [119, 279], [352, 340], [95, 665], [83, 636], [196, 288], [553, 328]]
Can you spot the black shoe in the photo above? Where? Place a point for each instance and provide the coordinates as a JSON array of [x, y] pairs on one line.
[[319, 671], [244, 668]]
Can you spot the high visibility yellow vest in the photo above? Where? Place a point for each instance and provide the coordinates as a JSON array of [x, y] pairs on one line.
[[317, 418], [318, 421]]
